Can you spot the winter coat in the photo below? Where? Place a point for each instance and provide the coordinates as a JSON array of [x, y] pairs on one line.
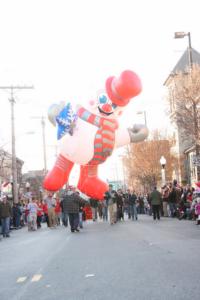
[[132, 199], [45, 208], [197, 209], [111, 197], [72, 202], [165, 195], [57, 207], [93, 203], [40, 209], [16, 211], [127, 199], [155, 198], [173, 195], [5, 210]]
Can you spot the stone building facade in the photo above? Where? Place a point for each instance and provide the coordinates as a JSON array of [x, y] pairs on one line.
[[185, 169]]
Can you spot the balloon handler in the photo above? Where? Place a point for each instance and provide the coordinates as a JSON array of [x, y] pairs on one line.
[[88, 136]]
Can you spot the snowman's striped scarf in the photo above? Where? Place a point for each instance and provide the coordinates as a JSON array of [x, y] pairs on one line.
[[104, 138]]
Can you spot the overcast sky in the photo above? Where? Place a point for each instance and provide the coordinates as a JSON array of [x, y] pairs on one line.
[[67, 49]]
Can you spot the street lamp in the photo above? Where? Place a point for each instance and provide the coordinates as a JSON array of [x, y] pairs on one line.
[[163, 163], [180, 35]]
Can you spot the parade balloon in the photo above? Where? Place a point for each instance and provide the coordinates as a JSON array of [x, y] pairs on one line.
[[88, 135]]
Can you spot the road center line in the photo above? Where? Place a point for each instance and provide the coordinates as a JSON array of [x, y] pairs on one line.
[[89, 275], [36, 277], [21, 279]]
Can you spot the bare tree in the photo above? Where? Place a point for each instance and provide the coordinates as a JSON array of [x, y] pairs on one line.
[[142, 162]]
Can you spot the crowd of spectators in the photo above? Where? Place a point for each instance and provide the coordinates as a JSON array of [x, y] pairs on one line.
[[173, 201], [182, 202]]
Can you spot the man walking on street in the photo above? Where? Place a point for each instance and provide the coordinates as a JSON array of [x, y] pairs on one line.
[[155, 198], [94, 206], [111, 197], [71, 205]]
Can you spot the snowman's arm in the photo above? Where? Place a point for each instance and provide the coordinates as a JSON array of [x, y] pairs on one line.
[[89, 117], [125, 136]]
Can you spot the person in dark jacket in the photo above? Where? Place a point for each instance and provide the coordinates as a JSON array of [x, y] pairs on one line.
[[120, 205], [133, 208], [64, 213], [16, 215], [5, 215], [156, 202], [71, 205], [94, 207], [172, 201], [127, 208]]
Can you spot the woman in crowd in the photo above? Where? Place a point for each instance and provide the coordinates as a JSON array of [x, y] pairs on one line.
[[39, 213], [32, 216], [45, 212]]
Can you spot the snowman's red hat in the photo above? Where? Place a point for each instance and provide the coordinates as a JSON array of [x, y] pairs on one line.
[[121, 89]]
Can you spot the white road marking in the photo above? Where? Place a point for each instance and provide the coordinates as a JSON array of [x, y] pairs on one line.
[[36, 277], [89, 275], [21, 279], [48, 285]]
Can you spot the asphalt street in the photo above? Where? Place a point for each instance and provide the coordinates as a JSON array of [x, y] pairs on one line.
[[140, 260]]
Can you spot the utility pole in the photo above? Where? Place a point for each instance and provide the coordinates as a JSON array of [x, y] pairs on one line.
[[42, 118], [190, 51], [14, 160]]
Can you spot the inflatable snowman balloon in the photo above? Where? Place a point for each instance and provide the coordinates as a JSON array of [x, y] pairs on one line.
[[88, 136]]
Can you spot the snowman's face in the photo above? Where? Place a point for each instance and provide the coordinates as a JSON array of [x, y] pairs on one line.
[[104, 107]]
